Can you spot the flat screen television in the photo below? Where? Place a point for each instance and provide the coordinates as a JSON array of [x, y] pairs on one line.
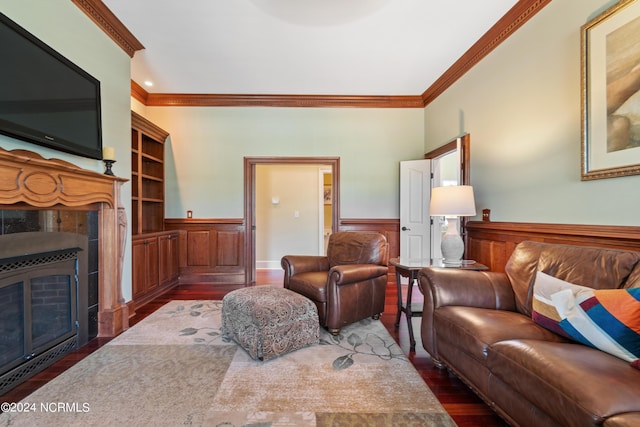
[[45, 98]]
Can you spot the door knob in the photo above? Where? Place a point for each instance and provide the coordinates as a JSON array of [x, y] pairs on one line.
[[405, 229]]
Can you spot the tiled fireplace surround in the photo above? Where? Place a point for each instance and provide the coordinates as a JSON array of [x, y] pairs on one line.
[[62, 190]]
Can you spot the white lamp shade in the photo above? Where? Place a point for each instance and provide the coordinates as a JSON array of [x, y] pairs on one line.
[[453, 200]]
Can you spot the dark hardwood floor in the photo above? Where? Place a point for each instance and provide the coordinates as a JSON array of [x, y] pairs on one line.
[[463, 405]]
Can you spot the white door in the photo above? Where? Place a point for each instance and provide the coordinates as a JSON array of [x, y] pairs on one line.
[[415, 193], [446, 170]]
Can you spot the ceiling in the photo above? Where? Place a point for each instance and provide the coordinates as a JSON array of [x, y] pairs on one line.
[[311, 47]]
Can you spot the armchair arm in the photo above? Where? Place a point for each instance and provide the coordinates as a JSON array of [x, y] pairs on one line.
[[350, 273], [296, 264]]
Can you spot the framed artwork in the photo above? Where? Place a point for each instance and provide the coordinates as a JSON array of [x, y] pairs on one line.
[[610, 58], [328, 196]]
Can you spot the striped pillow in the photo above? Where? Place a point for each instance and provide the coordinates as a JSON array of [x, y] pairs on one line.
[[607, 319]]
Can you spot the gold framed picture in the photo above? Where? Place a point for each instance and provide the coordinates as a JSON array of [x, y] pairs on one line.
[[328, 195], [610, 57]]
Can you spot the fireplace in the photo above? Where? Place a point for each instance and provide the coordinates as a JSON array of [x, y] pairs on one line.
[[43, 301], [28, 182]]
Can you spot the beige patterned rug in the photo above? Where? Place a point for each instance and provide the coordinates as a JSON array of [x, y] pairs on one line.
[[174, 369]]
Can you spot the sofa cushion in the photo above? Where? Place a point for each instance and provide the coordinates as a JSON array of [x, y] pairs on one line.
[[475, 329], [576, 384], [598, 268], [608, 320]]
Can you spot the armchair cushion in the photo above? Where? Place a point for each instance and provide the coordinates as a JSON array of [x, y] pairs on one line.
[[310, 284], [357, 248]]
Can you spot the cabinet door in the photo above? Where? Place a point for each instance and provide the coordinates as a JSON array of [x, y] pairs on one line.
[[139, 264], [151, 262], [169, 258]]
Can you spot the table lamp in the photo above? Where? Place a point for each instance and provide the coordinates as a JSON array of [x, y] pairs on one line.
[[452, 202]]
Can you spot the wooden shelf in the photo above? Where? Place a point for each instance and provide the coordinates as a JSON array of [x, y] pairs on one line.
[[152, 178], [147, 175]]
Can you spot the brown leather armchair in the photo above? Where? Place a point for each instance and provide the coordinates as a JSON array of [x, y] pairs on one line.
[[348, 284]]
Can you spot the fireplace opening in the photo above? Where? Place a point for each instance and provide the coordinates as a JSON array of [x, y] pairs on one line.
[[43, 301]]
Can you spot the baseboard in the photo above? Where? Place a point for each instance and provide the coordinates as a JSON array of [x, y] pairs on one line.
[[269, 265]]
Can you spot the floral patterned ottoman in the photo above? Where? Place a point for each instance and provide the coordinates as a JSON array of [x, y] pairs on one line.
[[268, 321]]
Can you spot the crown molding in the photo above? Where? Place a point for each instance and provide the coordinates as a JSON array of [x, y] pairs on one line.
[[297, 101], [517, 16], [110, 24], [256, 100], [520, 13], [138, 92]]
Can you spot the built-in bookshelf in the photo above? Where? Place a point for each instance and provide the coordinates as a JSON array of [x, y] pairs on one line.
[[147, 175]]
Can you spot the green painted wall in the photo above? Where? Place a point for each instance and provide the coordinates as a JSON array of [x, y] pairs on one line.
[[521, 105], [208, 145], [64, 27]]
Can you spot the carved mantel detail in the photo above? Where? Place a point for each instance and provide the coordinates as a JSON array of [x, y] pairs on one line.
[[28, 179]]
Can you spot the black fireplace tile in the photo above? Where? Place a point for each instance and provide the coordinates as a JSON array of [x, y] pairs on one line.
[[93, 288], [19, 221], [92, 256], [93, 321], [92, 225]]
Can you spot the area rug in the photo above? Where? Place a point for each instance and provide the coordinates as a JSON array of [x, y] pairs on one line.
[[174, 368]]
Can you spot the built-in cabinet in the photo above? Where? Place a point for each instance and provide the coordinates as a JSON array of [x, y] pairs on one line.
[[155, 255], [145, 266], [168, 258], [155, 264], [147, 175]]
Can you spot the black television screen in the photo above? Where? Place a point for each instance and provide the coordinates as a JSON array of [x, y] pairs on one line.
[[44, 97]]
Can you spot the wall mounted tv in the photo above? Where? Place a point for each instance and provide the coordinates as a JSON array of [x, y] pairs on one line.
[[44, 97]]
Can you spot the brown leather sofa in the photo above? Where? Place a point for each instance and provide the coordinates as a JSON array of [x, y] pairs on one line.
[[479, 326], [347, 285]]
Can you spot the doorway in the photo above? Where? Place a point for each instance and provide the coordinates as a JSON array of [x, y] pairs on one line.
[[325, 205], [450, 166], [331, 164], [447, 165]]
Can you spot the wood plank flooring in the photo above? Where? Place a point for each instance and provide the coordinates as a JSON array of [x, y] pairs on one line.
[[463, 405]]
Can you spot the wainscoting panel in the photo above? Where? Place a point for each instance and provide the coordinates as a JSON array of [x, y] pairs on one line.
[[198, 248], [229, 246], [211, 250], [492, 243]]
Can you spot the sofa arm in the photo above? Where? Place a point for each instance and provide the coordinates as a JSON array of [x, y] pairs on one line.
[[467, 288], [296, 264], [443, 287], [351, 273]]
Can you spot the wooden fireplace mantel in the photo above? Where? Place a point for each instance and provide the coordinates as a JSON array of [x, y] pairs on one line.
[[27, 180]]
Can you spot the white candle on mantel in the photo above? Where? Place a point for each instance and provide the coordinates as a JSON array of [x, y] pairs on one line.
[[108, 153]]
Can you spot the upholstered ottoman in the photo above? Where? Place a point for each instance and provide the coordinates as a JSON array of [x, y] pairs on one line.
[[267, 321]]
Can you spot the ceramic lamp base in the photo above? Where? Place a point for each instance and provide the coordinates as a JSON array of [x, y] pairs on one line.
[[452, 246]]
